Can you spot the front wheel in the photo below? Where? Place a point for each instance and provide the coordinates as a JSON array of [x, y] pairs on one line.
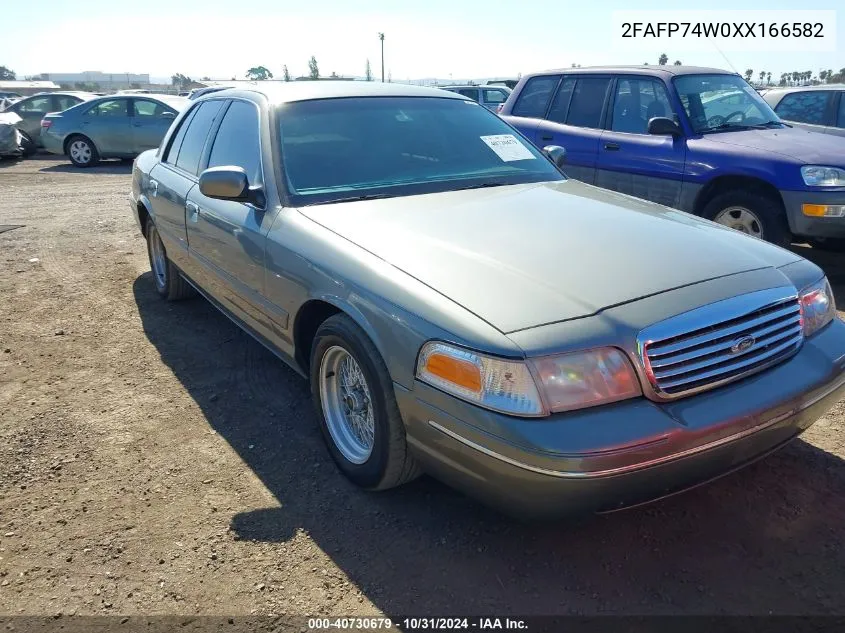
[[82, 152], [356, 407], [751, 213]]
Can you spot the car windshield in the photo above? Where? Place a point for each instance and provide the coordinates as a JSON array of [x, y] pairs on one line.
[[348, 148], [715, 103]]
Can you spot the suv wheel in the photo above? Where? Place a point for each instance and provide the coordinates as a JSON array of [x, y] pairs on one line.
[[752, 213]]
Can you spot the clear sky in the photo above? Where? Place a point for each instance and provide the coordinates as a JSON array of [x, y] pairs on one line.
[[423, 38]]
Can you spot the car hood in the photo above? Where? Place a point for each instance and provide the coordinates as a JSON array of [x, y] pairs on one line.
[[525, 255], [807, 147]]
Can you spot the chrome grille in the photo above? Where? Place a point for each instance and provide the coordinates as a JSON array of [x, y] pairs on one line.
[[721, 342]]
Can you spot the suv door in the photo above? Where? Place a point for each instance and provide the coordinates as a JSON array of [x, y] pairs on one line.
[[809, 109], [150, 122], [107, 125], [631, 160], [175, 175], [530, 104], [574, 121], [227, 237]]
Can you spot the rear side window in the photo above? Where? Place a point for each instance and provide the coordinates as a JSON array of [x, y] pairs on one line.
[[472, 93], [40, 105], [192, 144], [840, 118], [65, 102], [176, 144], [560, 105], [237, 141], [534, 97], [805, 107], [588, 101]]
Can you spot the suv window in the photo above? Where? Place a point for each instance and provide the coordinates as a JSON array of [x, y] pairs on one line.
[[560, 106], [148, 108], [636, 101], [495, 96], [176, 143], [805, 107], [190, 151], [587, 101], [237, 141], [64, 102], [111, 108], [534, 97], [840, 118], [40, 105]]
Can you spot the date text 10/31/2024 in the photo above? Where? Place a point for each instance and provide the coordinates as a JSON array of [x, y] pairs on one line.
[[408, 624]]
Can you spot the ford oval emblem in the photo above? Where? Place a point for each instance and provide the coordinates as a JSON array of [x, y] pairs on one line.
[[742, 344]]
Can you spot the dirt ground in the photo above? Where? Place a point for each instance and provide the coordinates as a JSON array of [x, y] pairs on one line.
[[156, 460]]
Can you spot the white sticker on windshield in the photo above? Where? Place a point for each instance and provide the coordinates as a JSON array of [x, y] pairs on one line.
[[507, 147]]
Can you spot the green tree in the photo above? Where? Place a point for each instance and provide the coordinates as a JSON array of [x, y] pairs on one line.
[[748, 73], [829, 75], [259, 73], [179, 80], [762, 76], [795, 76], [7, 74], [286, 72], [663, 59], [368, 73], [678, 62], [769, 78], [313, 68]]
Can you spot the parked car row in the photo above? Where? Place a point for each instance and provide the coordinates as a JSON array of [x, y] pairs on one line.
[[815, 108], [697, 139], [462, 308]]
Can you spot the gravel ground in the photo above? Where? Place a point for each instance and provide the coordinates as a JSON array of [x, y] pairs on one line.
[[155, 460]]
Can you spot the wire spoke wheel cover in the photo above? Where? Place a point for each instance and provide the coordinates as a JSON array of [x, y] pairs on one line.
[[741, 219], [347, 404]]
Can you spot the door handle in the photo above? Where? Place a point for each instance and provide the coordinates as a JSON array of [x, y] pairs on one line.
[[612, 147], [547, 138], [193, 211], [154, 187], [137, 124]]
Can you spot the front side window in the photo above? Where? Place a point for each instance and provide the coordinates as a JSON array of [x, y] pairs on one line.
[[193, 143], [717, 103], [495, 96], [588, 101], [147, 109], [638, 100], [111, 108], [394, 146], [562, 100], [534, 97], [805, 107], [237, 141]]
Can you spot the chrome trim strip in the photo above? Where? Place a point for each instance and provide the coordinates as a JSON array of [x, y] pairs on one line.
[[562, 474]]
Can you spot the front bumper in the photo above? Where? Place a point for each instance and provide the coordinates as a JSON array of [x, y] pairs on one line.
[[808, 226], [624, 454]]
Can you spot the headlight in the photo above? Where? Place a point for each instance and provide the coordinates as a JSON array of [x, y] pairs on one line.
[[821, 176], [818, 306], [567, 382]]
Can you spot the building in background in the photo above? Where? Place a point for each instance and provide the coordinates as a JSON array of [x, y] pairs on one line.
[[96, 80]]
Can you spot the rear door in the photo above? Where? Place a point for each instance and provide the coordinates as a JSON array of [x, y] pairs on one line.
[[107, 124], [531, 105], [574, 121], [631, 160], [227, 237], [175, 175], [150, 122], [809, 109]]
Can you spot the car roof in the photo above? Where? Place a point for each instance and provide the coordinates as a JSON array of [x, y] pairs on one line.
[[636, 70], [788, 89], [465, 86], [289, 91], [65, 93]]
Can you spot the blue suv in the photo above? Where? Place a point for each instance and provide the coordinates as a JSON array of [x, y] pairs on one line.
[[697, 139]]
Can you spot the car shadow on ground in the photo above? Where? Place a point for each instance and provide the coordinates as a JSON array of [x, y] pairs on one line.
[[770, 538], [104, 167]]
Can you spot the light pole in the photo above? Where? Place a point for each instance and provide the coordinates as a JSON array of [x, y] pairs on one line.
[[381, 38]]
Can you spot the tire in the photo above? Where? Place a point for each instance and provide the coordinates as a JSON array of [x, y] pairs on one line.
[[167, 279], [732, 208], [82, 152], [389, 463], [834, 244], [28, 145]]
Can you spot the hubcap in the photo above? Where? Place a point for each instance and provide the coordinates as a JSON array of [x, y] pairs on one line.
[[80, 151], [741, 219], [347, 405], [158, 259]]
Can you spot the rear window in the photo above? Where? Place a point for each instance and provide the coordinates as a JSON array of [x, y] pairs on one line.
[[534, 97]]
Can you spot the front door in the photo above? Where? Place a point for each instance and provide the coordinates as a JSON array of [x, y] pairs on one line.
[[150, 122], [632, 161], [107, 125]]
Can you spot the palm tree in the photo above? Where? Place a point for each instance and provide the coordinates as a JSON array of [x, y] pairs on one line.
[[822, 75], [795, 76], [762, 76], [769, 78], [748, 73]]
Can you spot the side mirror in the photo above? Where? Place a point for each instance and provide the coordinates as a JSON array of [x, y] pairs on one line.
[[556, 154], [225, 183], [661, 125]]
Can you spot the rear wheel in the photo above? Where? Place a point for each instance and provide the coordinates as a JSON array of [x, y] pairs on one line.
[[751, 213], [82, 151], [169, 282]]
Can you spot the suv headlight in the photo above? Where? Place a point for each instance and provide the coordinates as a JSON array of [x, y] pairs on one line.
[[821, 176], [534, 387], [818, 306]]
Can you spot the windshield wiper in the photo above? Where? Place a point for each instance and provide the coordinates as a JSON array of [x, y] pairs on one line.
[[771, 124], [727, 126], [367, 196], [481, 185]]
